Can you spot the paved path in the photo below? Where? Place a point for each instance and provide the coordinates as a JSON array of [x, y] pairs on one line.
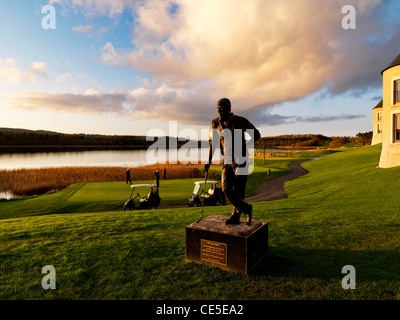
[[274, 188]]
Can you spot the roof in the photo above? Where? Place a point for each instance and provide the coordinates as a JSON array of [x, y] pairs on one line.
[[395, 62], [379, 105]]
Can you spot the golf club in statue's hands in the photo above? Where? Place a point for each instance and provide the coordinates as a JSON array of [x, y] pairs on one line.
[[206, 167]]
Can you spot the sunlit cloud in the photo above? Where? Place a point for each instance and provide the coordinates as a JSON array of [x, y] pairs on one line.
[[90, 102], [12, 73], [229, 48], [39, 69], [257, 53], [136, 104]]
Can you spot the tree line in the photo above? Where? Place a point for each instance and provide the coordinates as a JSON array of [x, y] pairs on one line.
[[24, 138], [61, 139], [312, 140]]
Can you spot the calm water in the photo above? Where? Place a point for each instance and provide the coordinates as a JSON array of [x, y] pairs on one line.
[[119, 158]]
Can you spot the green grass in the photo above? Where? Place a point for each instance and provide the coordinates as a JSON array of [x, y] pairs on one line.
[[102, 196], [344, 212]]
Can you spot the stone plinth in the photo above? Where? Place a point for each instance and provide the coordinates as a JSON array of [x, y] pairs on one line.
[[238, 248]]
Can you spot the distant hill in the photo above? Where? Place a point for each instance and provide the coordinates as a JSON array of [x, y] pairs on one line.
[[15, 137], [312, 140], [298, 140], [18, 130]]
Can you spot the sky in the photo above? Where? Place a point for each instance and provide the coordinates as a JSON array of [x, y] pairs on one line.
[[131, 67]]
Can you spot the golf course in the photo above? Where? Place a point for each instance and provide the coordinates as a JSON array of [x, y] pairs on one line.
[[344, 211]]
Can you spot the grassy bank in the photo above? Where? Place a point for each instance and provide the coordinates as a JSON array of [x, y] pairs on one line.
[[343, 212]]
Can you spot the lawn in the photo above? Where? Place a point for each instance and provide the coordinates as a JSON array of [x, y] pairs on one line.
[[103, 196], [343, 212]]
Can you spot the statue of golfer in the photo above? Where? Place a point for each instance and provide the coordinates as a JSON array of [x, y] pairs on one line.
[[228, 130]]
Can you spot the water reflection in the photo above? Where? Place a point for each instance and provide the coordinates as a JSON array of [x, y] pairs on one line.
[[7, 195], [119, 158]]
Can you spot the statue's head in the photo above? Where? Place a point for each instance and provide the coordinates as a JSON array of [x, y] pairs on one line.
[[224, 107]]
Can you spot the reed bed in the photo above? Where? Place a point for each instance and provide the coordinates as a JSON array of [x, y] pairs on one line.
[[27, 182]]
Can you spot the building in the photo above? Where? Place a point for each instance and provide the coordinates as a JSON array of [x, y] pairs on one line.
[[386, 117], [377, 129]]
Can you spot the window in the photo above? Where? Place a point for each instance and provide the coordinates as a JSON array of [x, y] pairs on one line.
[[379, 128], [379, 116], [396, 92], [396, 128]]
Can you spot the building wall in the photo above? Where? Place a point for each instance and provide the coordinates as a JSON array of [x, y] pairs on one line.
[[390, 155], [376, 136]]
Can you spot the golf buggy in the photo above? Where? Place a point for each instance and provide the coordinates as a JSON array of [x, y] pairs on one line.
[[213, 197], [149, 201]]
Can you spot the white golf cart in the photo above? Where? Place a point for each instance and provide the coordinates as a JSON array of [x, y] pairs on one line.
[[150, 201], [214, 196]]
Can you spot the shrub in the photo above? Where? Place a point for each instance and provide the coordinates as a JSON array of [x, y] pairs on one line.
[[335, 143]]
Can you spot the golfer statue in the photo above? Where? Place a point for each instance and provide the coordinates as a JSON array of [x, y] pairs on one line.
[[228, 132]]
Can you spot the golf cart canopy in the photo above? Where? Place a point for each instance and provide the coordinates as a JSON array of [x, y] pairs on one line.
[[203, 182], [143, 186], [199, 183]]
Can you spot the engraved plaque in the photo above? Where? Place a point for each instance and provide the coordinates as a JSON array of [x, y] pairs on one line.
[[212, 251]]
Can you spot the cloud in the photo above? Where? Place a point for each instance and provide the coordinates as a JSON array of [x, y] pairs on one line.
[[136, 104], [12, 73], [269, 119], [39, 69], [76, 83], [257, 53], [149, 103], [231, 49], [64, 78], [325, 118], [90, 31], [166, 103], [95, 7], [90, 102]]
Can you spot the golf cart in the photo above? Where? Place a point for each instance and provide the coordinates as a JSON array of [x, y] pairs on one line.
[[213, 197], [149, 201]]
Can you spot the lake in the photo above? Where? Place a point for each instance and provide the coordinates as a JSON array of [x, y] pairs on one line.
[[118, 158]]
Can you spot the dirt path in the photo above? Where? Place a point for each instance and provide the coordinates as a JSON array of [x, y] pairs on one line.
[[274, 188]]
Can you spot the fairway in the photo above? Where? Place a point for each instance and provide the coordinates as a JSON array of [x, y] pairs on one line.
[[172, 192], [340, 213]]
